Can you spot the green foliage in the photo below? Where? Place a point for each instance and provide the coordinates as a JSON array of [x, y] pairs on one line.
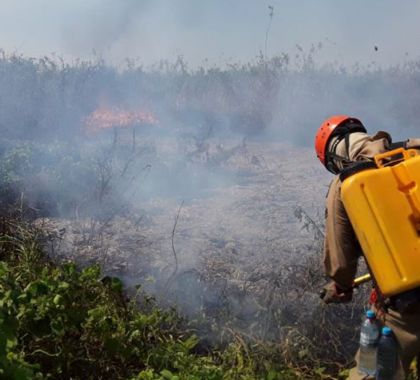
[[59, 178], [62, 323], [16, 163]]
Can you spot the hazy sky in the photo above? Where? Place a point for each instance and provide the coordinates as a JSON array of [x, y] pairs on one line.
[[217, 30]]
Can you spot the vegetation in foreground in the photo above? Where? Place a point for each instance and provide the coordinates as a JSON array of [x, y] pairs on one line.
[[58, 322]]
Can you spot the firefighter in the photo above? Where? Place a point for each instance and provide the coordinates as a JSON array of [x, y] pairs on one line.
[[341, 141]]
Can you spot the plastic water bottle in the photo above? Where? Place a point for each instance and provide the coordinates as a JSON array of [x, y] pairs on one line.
[[369, 336], [387, 355]]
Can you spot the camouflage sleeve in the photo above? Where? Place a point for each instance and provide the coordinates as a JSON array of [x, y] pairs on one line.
[[341, 247]]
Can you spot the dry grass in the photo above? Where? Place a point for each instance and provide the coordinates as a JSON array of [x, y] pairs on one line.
[[248, 254]]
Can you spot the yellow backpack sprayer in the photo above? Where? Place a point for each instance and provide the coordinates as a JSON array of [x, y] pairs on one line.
[[382, 201]]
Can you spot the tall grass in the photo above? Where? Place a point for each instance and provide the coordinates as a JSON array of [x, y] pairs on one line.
[[49, 98]]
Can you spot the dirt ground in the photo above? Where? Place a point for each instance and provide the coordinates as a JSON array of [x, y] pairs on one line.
[[241, 251]]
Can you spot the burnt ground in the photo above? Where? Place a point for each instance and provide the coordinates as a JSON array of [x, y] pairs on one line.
[[237, 247]]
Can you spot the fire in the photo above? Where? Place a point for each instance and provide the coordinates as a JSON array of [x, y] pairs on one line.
[[106, 118]]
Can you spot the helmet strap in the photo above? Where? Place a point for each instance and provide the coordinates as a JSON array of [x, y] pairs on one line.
[[332, 157], [347, 142]]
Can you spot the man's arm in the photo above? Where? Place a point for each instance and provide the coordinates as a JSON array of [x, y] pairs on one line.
[[413, 143], [341, 247]]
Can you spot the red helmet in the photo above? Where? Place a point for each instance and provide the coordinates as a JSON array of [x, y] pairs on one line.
[[329, 129]]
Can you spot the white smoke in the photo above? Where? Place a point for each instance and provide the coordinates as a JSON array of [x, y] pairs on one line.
[[222, 30]]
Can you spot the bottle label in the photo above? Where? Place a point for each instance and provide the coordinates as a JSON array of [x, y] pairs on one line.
[[368, 340]]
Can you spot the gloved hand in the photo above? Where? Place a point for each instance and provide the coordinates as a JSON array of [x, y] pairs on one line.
[[332, 293]]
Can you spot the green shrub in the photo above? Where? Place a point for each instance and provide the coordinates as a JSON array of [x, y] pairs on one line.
[[62, 323]]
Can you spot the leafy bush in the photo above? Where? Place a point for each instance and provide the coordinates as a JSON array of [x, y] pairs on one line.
[[61, 323], [58, 178]]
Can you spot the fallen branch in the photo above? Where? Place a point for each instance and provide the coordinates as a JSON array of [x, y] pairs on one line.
[[173, 249]]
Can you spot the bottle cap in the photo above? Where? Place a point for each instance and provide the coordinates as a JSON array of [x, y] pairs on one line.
[[370, 314], [386, 331]]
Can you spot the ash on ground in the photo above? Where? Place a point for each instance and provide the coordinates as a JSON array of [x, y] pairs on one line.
[[240, 251]]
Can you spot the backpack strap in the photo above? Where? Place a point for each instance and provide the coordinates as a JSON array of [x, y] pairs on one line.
[[398, 144], [407, 144]]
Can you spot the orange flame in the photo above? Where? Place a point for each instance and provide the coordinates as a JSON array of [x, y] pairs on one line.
[[106, 118]]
